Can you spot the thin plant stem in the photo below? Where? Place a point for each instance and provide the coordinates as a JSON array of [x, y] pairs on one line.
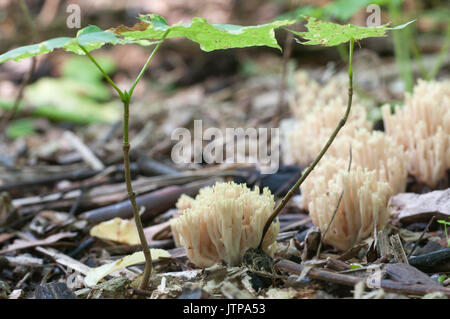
[[442, 54], [341, 123], [335, 210], [446, 235], [286, 56], [150, 58], [119, 91], [132, 197], [26, 79], [126, 99], [24, 7]]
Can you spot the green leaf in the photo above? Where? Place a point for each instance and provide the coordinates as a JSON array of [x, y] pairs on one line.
[[332, 34], [76, 68], [355, 266], [20, 128], [91, 37], [442, 278], [209, 36], [440, 221]]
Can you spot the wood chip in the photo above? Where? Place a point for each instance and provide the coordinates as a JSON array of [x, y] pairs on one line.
[[54, 290]]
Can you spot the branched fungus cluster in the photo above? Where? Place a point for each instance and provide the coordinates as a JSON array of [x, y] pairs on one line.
[[223, 222], [422, 127], [377, 172]]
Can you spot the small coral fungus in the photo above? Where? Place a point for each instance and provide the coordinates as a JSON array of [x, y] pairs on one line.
[[422, 127], [223, 222], [363, 208], [377, 172]]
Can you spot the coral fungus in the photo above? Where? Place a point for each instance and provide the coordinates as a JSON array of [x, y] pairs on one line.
[[422, 127], [223, 222], [362, 210]]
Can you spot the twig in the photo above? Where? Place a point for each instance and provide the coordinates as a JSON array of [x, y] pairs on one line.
[[335, 210], [86, 154], [346, 280], [421, 236], [341, 123], [27, 77]]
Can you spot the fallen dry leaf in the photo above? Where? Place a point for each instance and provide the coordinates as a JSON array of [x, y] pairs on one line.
[[118, 230], [411, 207], [124, 231], [98, 273]]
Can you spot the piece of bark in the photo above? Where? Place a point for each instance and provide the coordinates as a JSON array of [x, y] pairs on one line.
[[53, 290], [397, 249], [411, 208], [408, 274], [336, 264], [436, 261], [155, 203], [353, 251]]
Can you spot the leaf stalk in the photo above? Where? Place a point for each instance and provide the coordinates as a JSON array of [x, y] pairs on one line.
[[341, 123]]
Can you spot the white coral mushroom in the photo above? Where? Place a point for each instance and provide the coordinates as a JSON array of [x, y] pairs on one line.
[[314, 130], [311, 94], [363, 207], [375, 151], [422, 127], [378, 171], [223, 222]]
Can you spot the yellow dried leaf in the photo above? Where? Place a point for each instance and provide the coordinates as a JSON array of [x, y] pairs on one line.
[[119, 230], [97, 274]]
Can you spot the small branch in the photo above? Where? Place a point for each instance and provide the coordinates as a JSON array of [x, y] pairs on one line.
[[347, 280], [86, 153], [421, 236], [341, 123]]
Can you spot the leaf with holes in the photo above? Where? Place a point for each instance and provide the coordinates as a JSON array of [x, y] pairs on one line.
[[332, 34], [209, 36]]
